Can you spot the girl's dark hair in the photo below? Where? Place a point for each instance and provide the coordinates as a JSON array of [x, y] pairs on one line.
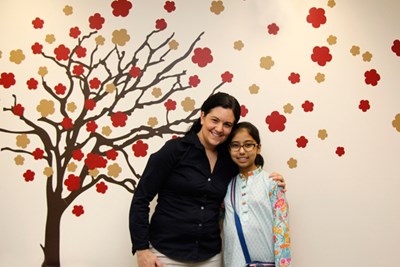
[[219, 99], [253, 132]]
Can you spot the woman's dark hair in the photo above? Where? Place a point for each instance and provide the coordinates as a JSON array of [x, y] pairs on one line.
[[253, 132], [219, 99]]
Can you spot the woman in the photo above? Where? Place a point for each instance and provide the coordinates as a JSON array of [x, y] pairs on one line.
[[190, 175], [258, 204]]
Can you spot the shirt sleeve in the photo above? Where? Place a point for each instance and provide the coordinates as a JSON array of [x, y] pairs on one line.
[[281, 228], [154, 175]]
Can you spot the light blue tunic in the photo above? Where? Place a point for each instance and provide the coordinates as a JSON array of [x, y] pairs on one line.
[[263, 212]]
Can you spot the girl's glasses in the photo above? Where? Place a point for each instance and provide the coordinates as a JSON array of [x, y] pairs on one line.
[[235, 147]]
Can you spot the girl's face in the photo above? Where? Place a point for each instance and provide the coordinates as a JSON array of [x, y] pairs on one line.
[[216, 127], [244, 149]]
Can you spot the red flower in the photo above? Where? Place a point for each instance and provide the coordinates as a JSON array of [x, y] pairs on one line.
[[121, 7], [161, 24], [94, 161], [95, 83], [276, 121], [308, 106], [77, 154], [101, 187], [135, 72], [194, 81], [140, 149], [169, 6], [32, 84], [170, 105], [372, 77], [29, 176], [73, 182], [227, 77], [90, 104], [38, 154], [243, 111], [294, 78], [340, 151], [74, 32], [364, 105], [91, 126], [96, 21], [321, 55], [316, 17], [301, 142], [80, 52], [119, 119], [62, 52], [273, 29], [78, 210], [396, 47], [67, 123], [202, 56], [37, 23], [37, 48], [18, 110], [78, 70], [7, 79], [112, 154], [60, 89]]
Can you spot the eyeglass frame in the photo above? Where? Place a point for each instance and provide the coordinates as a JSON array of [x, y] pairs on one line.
[[248, 149]]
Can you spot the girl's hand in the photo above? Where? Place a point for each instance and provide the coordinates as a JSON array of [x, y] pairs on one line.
[[279, 179]]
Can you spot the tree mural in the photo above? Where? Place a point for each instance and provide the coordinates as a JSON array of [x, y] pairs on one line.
[[85, 121]]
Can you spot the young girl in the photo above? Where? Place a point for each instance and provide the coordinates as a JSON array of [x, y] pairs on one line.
[[260, 204]]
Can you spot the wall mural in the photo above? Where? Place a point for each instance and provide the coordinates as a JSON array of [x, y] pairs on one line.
[[100, 94]]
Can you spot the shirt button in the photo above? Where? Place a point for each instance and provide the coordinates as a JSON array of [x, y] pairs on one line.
[[200, 225], [202, 208], [209, 179]]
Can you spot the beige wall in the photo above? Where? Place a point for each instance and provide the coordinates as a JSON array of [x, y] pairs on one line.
[[344, 209]]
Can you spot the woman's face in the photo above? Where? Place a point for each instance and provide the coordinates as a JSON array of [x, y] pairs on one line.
[[215, 126], [244, 149]]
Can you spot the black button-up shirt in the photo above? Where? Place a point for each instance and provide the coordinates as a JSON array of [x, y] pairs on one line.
[[185, 224]]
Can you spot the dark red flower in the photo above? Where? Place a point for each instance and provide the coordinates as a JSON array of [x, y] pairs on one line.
[[78, 70], [372, 77], [7, 79], [91, 126], [73, 182], [94, 161], [80, 52], [169, 6], [62, 52], [202, 56], [38, 154], [194, 81], [77, 154], [121, 7], [301, 142], [78, 210], [340, 151], [364, 105], [226, 77], [321, 55], [90, 104], [95, 83], [294, 78], [273, 29], [18, 110], [316, 17], [243, 111], [67, 123], [101, 187], [60, 89], [74, 32], [96, 21], [112, 154], [135, 72], [396, 47], [32, 84], [170, 105], [308, 106], [37, 48], [29, 176], [276, 121], [161, 24], [140, 149], [119, 119], [38, 23]]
